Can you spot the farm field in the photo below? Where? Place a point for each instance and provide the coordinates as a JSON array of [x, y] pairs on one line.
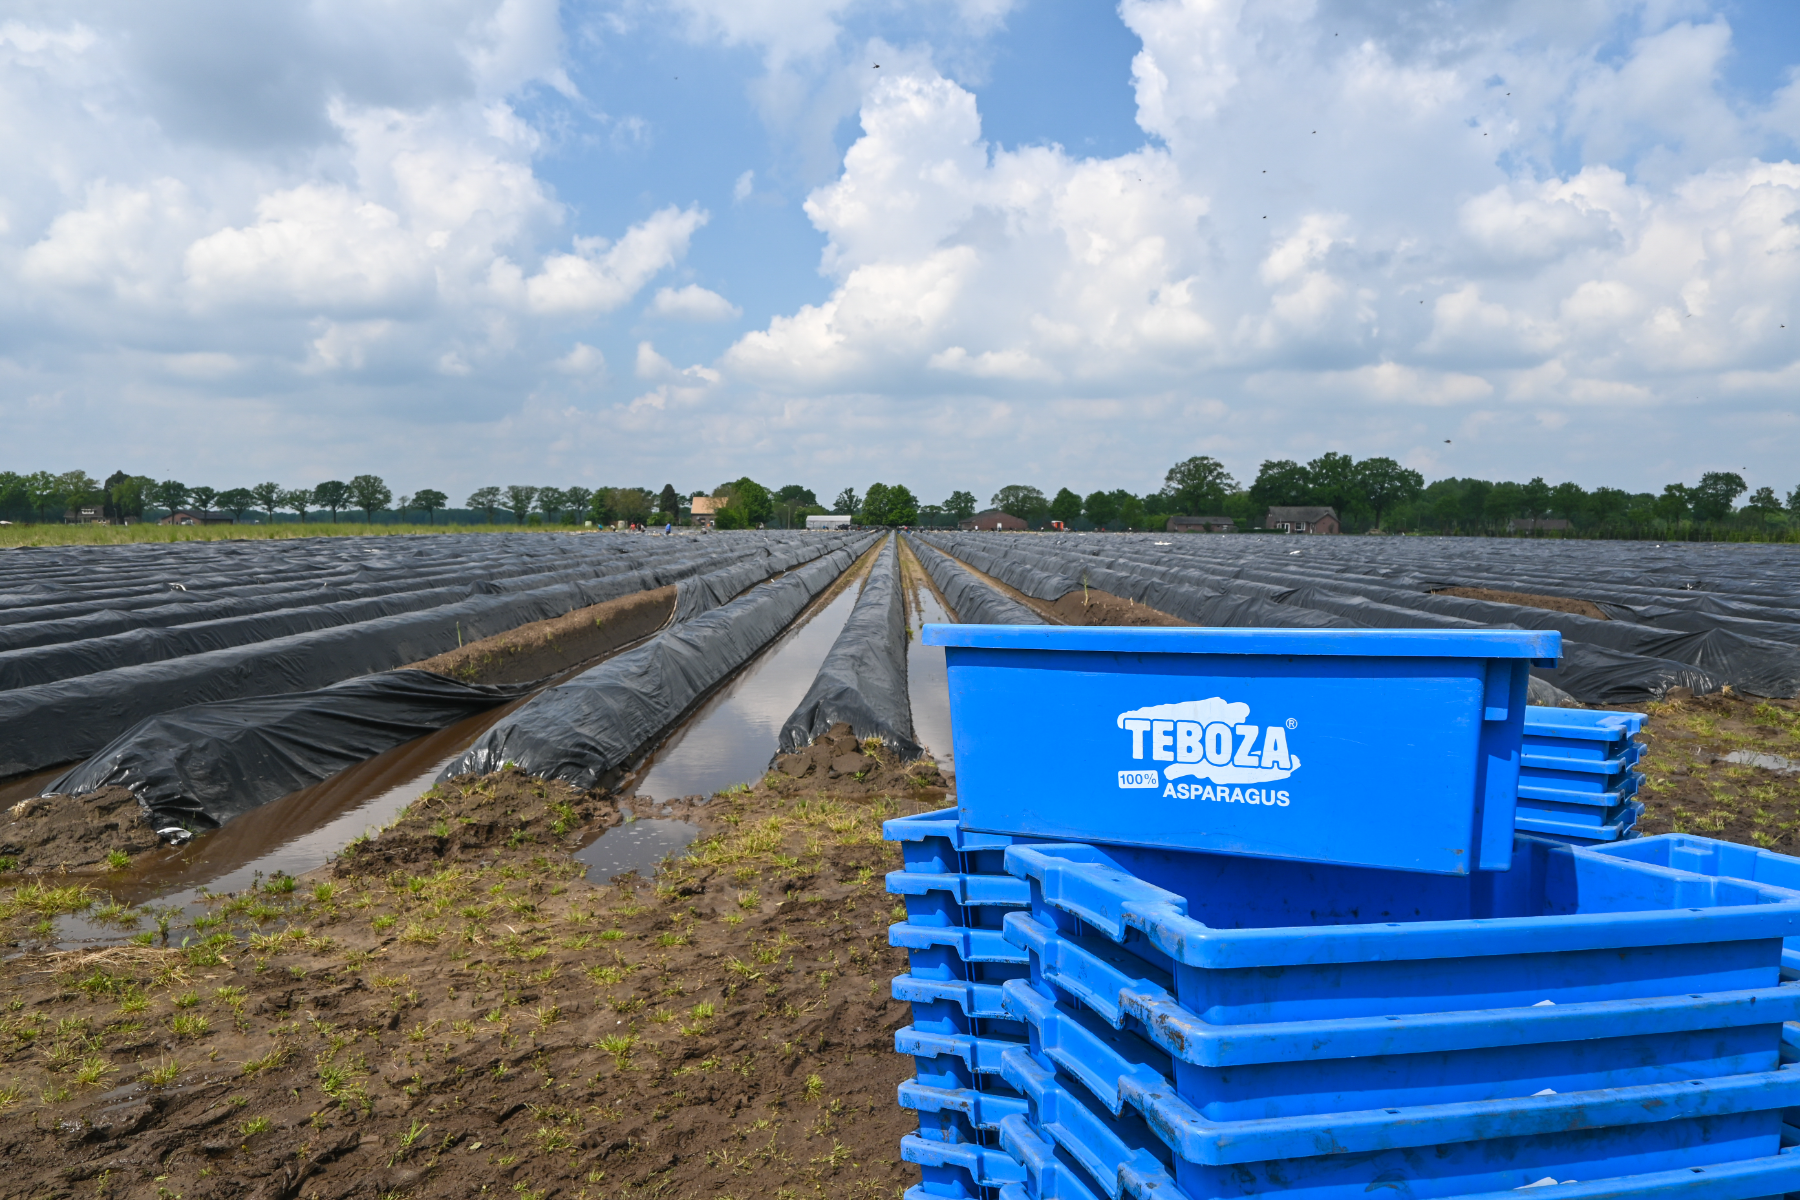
[[145, 533], [408, 968]]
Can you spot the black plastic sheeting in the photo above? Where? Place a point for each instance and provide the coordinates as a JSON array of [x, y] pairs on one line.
[[71, 718], [972, 601], [1276, 581], [203, 765], [862, 682], [581, 730]]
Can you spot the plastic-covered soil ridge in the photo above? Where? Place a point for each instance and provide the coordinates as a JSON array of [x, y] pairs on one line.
[[862, 682], [1751, 639], [47, 723], [591, 727]]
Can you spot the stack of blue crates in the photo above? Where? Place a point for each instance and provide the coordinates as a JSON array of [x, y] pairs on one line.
[[1585, 1016], [1578, 775], [1605, 1016]]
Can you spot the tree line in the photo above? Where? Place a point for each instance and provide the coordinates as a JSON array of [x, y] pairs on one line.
[[1367, 494], [1378, 493]]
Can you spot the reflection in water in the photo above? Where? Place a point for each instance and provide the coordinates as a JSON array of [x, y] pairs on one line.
[[635, 846], [926, 684], [24, 787], [294, 834], [733, 736]]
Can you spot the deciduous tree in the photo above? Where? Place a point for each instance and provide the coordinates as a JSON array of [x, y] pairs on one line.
[[519, 499], [847, 504], [1065, 506], [1384, 483], [485, 501], [431, 500], [236, 501], [960, 505], [1198, 486], [203, 498], [170, 493], [298, 499], [371, 495], [1022, 501], [332, 495], [268, 495], [1716, 492]]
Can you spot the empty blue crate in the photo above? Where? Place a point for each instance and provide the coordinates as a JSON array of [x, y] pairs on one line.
[[958, 1170], [1577, 825], [1071, 1146], [954, 880], [1329, 1029], [1267, 743], [1249, 941], [1727, 860]]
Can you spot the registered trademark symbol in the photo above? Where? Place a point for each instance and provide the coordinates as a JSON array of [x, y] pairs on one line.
[[1292, 723]]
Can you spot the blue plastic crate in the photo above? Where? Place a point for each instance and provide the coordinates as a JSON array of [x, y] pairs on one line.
[[1426, 1068], [1557, 785], [1269, 743], [1538, 756], [1581, 734], [1125, 1156], [1051, 1173], [958, 1170], [1575, 826], [1250, 942], [1727, 860], [950, 1060], [960, 1114], [958, 899], [936, 843], [1623, 788]]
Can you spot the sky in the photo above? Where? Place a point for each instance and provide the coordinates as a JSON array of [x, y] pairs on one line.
[[955, 244]]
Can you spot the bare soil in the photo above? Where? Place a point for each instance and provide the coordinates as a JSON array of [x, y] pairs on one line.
[[1690, 788], [74, 833], [1086, 606], [450, 1009], [1585, 608], [549, 647]]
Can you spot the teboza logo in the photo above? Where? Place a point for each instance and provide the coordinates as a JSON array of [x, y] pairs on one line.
[[1210, 739]]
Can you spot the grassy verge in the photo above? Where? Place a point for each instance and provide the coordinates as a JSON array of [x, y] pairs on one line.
[[1690, 787], [120, 535]]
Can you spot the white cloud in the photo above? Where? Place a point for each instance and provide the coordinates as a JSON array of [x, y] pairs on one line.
[[583, 359], [601, 277], [693, 303], [746, 183]]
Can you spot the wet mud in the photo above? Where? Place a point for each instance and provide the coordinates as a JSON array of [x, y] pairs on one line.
[[450, 1009]]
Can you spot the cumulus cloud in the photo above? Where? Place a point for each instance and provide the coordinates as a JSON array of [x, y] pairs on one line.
[[1356, 227], [1325, 224], [693, 303]]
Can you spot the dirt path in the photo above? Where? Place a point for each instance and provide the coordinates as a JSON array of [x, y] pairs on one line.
[[545, 648], [451, 1010], [1585, 608], [1084, 606]]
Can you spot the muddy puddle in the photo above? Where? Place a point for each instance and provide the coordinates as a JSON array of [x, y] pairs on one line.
[[731, 738], [638, 845], [289, 836]]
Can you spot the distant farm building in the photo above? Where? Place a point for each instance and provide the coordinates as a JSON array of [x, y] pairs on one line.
[[828, 521], [704, 509], [85, 514], [1201, 525], [993, 518], [1536, 524], [1306, 519]]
